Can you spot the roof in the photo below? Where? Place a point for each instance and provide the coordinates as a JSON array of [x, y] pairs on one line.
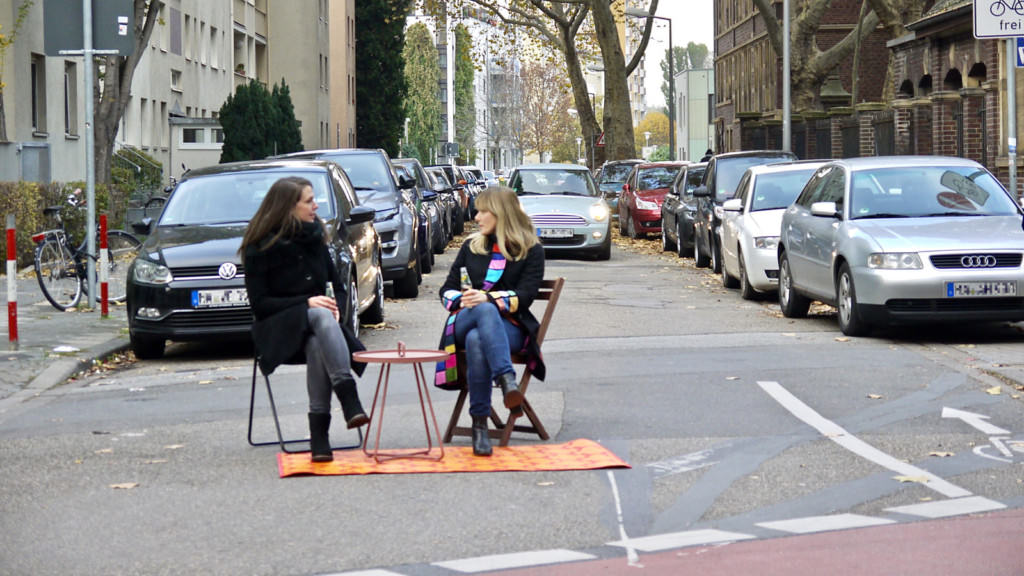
[[787, 166], [868, 162], [552, 166], [252, 165]]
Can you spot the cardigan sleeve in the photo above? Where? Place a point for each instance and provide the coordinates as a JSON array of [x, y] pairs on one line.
[[521, 291]]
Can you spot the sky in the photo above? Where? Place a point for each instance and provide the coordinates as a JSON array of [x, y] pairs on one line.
[[692, 21]]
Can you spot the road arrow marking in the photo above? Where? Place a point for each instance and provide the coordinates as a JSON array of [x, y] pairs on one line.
[[976, 420]]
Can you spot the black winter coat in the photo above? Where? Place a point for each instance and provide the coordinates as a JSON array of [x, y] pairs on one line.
[[279, 280]]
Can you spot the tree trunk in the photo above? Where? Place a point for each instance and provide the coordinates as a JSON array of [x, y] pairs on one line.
[[618, 118]]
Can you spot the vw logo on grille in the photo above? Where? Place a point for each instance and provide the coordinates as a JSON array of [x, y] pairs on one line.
[[227, 271], [978, 261]]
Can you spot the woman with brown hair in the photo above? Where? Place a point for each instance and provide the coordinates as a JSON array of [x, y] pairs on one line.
[[287, 270], [490, 309]]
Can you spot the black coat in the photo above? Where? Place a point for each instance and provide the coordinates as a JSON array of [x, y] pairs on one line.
[[523, 276], [279, 280]]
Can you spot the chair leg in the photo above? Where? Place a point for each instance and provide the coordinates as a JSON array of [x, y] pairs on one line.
[[453, 422]]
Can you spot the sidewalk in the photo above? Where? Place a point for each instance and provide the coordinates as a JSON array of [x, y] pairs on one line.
[[35, 366]]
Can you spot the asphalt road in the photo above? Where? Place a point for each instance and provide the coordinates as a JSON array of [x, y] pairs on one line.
[[740, 426]]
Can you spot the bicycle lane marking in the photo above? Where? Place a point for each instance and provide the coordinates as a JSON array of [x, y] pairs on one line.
[[840, 436]]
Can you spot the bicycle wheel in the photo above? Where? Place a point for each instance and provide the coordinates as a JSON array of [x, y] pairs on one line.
[[122, 248], [57, 275], [154, 207]]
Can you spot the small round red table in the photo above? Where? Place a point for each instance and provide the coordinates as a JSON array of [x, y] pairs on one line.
[[386, 358]]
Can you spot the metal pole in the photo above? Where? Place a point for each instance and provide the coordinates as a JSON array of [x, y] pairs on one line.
[[671, 95], [1011, 112], [90, 154], [785, 78], [12, 286]]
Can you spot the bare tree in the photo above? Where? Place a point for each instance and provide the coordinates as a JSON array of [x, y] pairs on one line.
[[546, 100]]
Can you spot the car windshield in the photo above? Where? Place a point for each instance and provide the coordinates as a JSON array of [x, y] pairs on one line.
[[233, 197], [616, 173], [656, 177], [779, 189], [568, 182], [928, 191], [365, 171], [728, 172]]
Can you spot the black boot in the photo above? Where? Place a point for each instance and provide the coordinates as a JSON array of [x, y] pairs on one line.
[[319, 442], [481, 441], [348, 395], [510, 390]]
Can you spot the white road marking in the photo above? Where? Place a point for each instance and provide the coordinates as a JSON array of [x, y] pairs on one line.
[[840, 436], [825, 523], [685, 463], [366, 573], [672, 540], [998, 443], [954, 507], [976, 420], [632, 558], [515, 560]]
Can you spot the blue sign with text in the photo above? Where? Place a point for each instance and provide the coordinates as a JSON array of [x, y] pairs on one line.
[[1020, 52]]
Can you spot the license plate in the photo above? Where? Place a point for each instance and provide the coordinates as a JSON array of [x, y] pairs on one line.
[[555, 232], [226, 298], [980, 289]]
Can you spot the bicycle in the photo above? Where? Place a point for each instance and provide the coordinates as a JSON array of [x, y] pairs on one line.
[[998, 7], [61, 267]]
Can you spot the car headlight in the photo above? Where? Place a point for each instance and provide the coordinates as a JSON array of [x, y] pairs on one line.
[[766, 242], [895, 261], [599, 212], [646, 204], [148, 272], [382, 215]]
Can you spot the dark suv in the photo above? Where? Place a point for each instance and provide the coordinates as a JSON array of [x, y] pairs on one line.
[[396, 220], [721, 176]]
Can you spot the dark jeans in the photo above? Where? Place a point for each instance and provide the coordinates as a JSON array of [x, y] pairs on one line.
[[327, 359], [489, 341]]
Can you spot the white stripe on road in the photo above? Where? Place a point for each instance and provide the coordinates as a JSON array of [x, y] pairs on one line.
[[825, 523], [366, 573], [945, 508], [684, 463], [632, 558], [516, 560], [661, 542], [840, 436]]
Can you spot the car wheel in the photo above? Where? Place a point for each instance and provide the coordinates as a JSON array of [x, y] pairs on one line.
[[458, 224], [747, 291], [793, 305], [353, 306], [716, 255], [147, 348], [699, 259], [605, 252], [727, 279], [426, 262], [408, 286], [680, 245], [375, 313], [631, 227], [666, 244], [849, 311]]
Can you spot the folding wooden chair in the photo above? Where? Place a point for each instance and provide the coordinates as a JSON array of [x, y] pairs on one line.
[[550, 290], [277, 423]]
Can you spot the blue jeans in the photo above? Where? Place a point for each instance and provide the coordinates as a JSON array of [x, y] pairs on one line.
[[489, 341]]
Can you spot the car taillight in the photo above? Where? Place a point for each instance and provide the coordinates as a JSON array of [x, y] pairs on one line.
[[37, 238]]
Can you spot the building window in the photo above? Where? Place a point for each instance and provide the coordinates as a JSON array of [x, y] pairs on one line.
[[192, 135], [218, 135], [188, 37], [201, 38], [70, 98], [176, 80], [214, 60], [38, 80]]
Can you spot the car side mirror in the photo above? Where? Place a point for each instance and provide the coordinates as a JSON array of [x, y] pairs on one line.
[[143, 227], [429, 195], [701, 192], [404, 182], [360, 214], [733, 205], [169, 189], [826, 209]]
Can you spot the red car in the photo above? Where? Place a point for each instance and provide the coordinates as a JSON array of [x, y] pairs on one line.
[[642, 195]]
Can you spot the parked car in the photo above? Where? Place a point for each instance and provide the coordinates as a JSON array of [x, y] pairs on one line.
[[566, 207], [610, 179], [903, 239], [719, 184], [435, 208], [457, 179], [444, 187], [426, 216], [490, 178], [642, 195], [396, 221], [188, 282], [679, 210], [751, 222]]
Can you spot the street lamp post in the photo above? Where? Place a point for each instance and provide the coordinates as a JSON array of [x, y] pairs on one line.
[[638, 13], [579, 150]]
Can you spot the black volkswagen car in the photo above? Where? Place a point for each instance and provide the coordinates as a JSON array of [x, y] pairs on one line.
[[187, 282]]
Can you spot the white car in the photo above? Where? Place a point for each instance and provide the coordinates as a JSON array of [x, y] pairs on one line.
[[751, 222]]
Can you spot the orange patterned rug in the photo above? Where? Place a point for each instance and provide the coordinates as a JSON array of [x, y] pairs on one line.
[[575, 455]]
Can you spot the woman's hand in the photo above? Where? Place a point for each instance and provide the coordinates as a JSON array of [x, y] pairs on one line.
[[471, 297], [324, 302]]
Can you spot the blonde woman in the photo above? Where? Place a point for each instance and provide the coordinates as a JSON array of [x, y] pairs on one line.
[[490, 310]]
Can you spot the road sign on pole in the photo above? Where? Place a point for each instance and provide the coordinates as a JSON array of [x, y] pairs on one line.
[[998, 18], [1020, 52]]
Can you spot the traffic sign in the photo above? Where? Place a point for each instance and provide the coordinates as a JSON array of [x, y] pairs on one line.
[[1020, 52], [600, 140], [998, 18], [113, 27]]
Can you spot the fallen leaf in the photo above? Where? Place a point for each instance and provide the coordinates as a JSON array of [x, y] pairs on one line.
[[156, 461], [941, 454], [206, 381], [842, 339], [124, 485], [995, 390], [173, 446], [104, 451], [545, 483], [732, 377], [875, 396], [925, 499], [918, 479]]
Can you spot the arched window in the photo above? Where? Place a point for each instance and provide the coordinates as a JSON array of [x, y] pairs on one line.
[[977, 75], [953, 80], [906, 89], [924, 86]]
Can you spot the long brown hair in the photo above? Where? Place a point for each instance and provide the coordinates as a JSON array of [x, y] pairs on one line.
[[514, 230], [275, 217]]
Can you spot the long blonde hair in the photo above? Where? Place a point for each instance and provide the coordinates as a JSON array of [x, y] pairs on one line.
[[514, 230]]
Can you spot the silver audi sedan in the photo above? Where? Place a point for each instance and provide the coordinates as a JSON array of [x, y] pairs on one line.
[[902, 240]]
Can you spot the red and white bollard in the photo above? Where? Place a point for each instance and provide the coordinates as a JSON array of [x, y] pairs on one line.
[[104, 256], [12, 285]]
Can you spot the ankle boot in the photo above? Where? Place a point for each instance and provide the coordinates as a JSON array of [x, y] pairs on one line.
[[319, 442], [348, 395], [510, 390], [481, 442]]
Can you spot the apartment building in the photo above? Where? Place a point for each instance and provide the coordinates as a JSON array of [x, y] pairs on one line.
[[695, 106]]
